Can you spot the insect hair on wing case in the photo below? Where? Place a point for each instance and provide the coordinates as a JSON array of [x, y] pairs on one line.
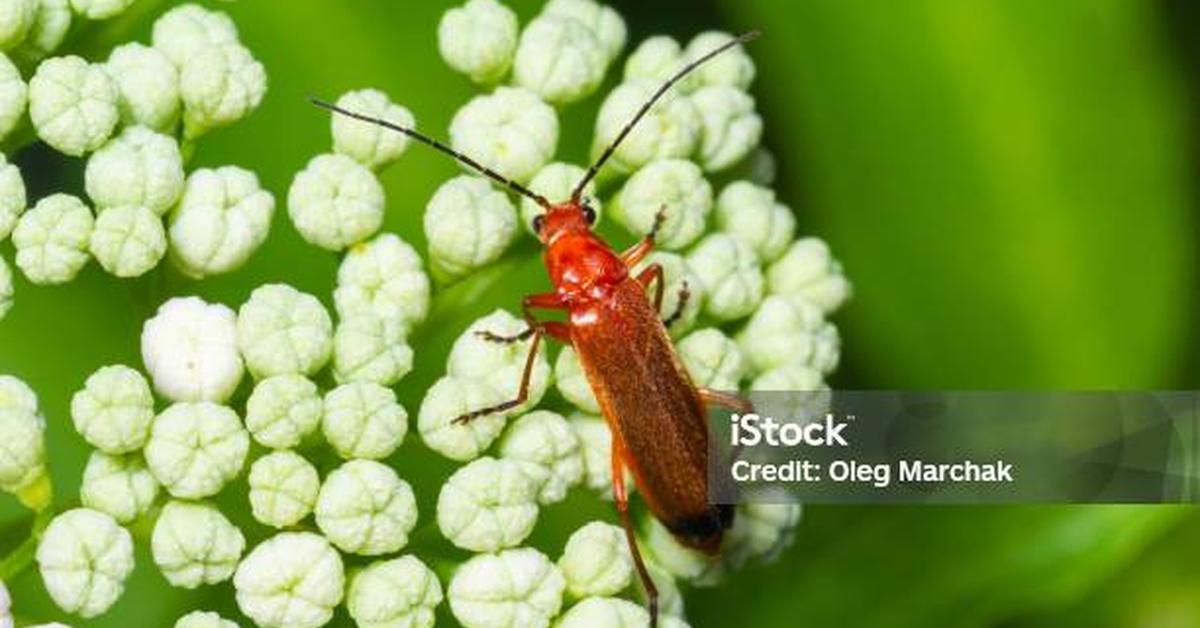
[[657, 415]]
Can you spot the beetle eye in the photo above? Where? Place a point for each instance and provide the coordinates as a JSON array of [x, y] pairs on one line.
[[589, 214], [538, 221]]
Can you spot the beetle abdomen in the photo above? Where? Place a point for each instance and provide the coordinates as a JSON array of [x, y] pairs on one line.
[[703, 532]]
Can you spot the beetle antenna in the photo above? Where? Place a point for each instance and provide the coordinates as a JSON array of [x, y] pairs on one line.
[[429, 141], [684, 71]]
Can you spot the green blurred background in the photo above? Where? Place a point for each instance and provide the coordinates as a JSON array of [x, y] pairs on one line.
[[1011, 186]]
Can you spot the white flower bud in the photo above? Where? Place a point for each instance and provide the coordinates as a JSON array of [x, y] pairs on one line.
[[761, 531], [808, 396], [138, 167], [794, 377], [100, 9], [6, 288], [547, 450], [487, 505], [291, 580], [733, 68], [119, 486], [13, 96], [335, 202], [479, 39], [751, 212], [52, 239], [785, 331], [73, 105], [469, 224], [517, 588], [149, 85], [22, 448], [676, 274], [671, 129], [185, 30], [383, 276], [128, 241], [363, 420], [367, 348], [398, 593], [195, 448], [219, 85], [114, 410], [449, 398], [365, 508], [282, 330], [729, 270], [221, 219], [559, 59], [510, 130], [732, 127], [595, 443], [194, 544], [604, 22], [597, 561], [203, 619], [283, 488], [500, 365], [660, 546], [12, 194], [15, 393], [656, 59], [84, 558], [713, 359], [808, 271], [283, 410], [370, 144], [190, 350], [556, 181], [49, 29], [16, 18], [604, 612], [6, 620], [572, 382], [674, 187]]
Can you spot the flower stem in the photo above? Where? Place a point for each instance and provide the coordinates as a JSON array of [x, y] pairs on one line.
[[22, 557], [39, 495]]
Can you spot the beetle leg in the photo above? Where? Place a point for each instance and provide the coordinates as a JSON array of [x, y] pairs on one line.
[[639, 251], [725, 400], [546, 301], [651, 273], [522, 390], [685, 294], [621, 497], [555, 329]]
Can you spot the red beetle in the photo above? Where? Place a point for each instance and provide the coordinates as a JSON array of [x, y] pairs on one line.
[[657, 415]]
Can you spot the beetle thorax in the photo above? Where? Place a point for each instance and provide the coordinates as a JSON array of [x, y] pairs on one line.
[[583, 267]]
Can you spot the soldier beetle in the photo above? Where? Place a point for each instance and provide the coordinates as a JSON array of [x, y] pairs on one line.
[[657, 415]]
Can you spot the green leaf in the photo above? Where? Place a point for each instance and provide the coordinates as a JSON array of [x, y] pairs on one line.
[[1006, 183], [901, 567]]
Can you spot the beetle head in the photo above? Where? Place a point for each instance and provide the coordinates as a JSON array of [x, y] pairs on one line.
[[572, 217]]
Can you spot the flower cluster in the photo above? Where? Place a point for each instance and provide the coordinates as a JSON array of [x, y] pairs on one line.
[[135, 117], [750, 301], [315, 427]]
